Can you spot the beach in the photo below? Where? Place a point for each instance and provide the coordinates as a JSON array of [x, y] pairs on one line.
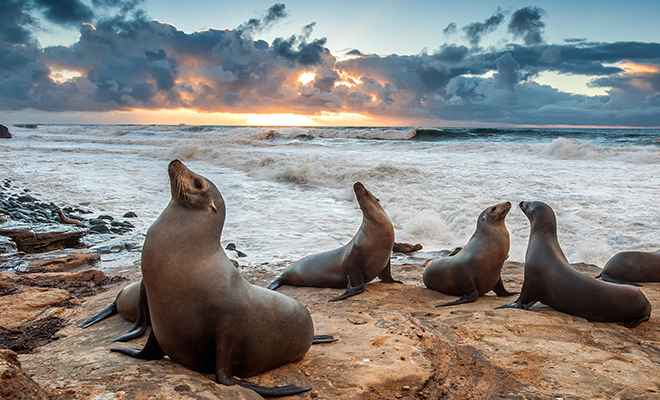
[[288, 194]]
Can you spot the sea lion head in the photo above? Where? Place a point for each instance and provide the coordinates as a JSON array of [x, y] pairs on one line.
[[369, 204], [540, 215], [193, 191], [495, 214]]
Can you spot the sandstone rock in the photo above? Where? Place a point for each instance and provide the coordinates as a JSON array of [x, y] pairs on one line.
[[42, 237], [15, 383], [393, 343], [31, 304], [52, 261]]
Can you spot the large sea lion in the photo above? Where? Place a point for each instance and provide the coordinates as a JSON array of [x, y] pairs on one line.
[[475, 269], [550, 279], [355, 264], [204, 314], [632, 266], [130, 303]]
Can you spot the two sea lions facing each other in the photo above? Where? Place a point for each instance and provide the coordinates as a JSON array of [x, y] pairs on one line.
[[551, 280], [476, 268], [355, 264]]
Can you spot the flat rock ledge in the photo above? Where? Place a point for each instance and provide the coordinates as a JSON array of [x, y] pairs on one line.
[[393, 344], [34, 238]]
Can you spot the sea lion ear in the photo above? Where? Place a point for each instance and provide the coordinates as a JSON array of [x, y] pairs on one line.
[[212, 207], [483, 218]]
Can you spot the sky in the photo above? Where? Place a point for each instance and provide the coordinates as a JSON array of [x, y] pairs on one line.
[[377, 63]]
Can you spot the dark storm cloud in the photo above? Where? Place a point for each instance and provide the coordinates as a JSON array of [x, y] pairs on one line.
[[255, 25], [476, 30], [526, 23], [65, 12], [127, 61]]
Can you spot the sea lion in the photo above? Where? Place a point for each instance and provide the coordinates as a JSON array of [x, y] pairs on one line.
[[632, 266], [406, 248], [355, 264], [475, 269], [550, 279], [204, 314], [130, 303]]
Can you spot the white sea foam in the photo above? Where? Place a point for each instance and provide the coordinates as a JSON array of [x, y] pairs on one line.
[[289, 190]]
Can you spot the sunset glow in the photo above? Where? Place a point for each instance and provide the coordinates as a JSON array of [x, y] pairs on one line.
[[633, 68], [306, 78], [347, 80]]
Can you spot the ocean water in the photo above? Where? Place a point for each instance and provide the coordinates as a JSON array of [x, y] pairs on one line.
[[288, 191]]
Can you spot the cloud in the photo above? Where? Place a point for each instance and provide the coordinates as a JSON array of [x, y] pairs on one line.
[[526, 23], [476, 30], [126, 61], [65, 12]]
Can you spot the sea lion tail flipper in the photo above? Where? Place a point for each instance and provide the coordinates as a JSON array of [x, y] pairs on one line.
[[101, 315], [352, 290], [150, 351], [141, 323], [386, 274], [465, 299], [635, 322], [501, 291], [318, 339], [275, 284], [268, 391]]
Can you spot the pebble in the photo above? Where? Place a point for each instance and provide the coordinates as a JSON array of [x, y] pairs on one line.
[[19, 206]]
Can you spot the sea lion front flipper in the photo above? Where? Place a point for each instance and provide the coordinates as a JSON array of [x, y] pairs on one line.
[[516, 304], [318, 339], [141, 323], [385, 275], [465, 299], [275, 284], [150, 351], [501, 291], [99, 316], [352, 290]]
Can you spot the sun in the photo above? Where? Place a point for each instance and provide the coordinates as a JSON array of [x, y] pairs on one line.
[[306, 78]]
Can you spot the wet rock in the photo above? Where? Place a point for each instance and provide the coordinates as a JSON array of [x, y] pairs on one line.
[[4, 133], [29, 337], [7, 246], [42, 237], [406, 248], [96, 221], [53, 261], [101, 228], [130, 214], [106, 217], [15, 383]]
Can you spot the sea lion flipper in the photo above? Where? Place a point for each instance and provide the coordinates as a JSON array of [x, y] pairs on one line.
[[465, 299], [99, 316], [141, 323], [517, 304], [223, 378], [275, 284], [501, 291], [618, 282], [385, 275], [318, 339], [351, 289], [635, 322], [150, 351]]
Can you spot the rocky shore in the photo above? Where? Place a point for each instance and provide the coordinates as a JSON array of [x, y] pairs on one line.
[[393, 342]]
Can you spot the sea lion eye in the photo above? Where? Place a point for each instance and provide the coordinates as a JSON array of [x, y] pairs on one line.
[[198, 184]]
